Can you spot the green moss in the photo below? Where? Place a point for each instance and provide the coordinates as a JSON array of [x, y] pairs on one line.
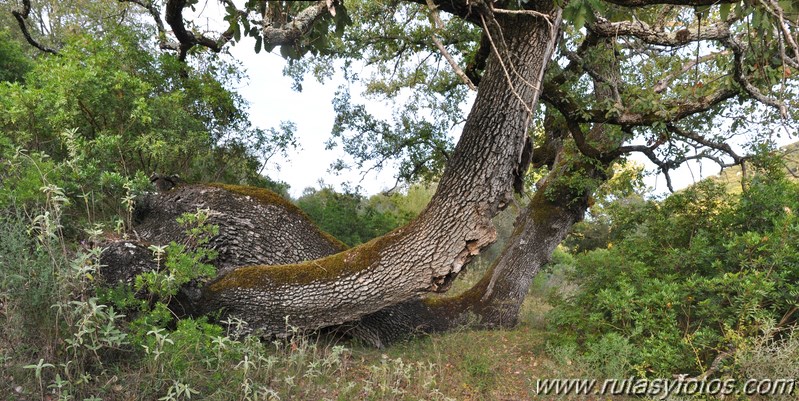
[[268, 197], [470, 298], [263, 195], [333, 240], [326, 269]]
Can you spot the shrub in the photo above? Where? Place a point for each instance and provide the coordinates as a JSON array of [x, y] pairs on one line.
[[694, 273]]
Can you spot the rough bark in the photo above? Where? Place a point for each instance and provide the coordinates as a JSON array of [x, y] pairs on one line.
[[421, 257], [496, 299], [425, 255], [255, 226]]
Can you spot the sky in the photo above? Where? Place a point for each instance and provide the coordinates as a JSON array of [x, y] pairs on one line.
[[273, 100]]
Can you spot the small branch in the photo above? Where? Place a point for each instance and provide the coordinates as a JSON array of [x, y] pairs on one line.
[[438, 25], [664, 82], [21, 17], [598, 78], [722, 147], [714, 366], [741, 78], [649, 152], [777, 11]]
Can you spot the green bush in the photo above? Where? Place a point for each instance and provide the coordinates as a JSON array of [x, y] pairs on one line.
[[698, 274]]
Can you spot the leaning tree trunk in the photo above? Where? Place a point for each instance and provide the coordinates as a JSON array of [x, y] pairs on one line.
[[557, 204], [496, 299], [425, 255]]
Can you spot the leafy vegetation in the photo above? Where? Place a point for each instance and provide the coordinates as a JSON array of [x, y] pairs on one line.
[[355, 219], [703, 282], [699, 274]]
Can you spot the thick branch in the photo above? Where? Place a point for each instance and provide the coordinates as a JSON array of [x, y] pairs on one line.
[[461, 8], [641, 30], [174, 17], [428, 253], [691, 3], [289, 34], [155, 13], [678, 109]]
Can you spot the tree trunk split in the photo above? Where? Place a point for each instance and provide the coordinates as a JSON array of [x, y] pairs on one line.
[[382, 280]]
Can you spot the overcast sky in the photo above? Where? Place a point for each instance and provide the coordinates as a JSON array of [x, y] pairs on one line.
[[272, 100]]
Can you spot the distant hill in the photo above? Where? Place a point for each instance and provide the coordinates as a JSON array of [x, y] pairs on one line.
[[732, 176]]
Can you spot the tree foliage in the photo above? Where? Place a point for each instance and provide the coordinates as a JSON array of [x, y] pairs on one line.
[[108, 110], [355, 219]]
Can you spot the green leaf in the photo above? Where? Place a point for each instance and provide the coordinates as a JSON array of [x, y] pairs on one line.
[[236, 31], [724, 10]]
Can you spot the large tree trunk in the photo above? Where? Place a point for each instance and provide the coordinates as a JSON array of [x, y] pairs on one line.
[[421, 257], [557, 204], [426, 254], [496, 299]]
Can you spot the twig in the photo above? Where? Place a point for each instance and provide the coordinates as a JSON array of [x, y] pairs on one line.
[[439, 25]]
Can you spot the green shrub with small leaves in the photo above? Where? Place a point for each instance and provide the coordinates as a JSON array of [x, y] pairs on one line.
[[698, 274]]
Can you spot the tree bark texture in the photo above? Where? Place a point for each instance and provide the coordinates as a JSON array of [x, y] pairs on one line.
[[266, 284], [426, 254], [495, 301], [255, 226]]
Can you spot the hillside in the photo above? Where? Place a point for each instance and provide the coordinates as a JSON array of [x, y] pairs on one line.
[[732, 175]]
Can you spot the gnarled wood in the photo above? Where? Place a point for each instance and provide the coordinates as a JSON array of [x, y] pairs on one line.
[[421, 257]]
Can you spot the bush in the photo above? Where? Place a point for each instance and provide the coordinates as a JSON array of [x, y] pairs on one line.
[[696, 276]]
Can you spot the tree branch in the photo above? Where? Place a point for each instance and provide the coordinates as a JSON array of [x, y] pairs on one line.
[[21, 17], [648, 34], [569, 107], [174, 17], [722, 147], [155, 13], [741, 78], [664, 82], [438, 25], [288, 34], [691, 3], [464, 9]]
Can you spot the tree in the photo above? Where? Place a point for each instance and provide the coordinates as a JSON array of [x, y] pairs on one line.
[[648, 76]]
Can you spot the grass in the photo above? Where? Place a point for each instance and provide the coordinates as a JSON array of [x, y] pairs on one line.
[[200, 361]]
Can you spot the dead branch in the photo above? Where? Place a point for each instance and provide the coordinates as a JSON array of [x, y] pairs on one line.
[[438, 25], [21, 17]]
